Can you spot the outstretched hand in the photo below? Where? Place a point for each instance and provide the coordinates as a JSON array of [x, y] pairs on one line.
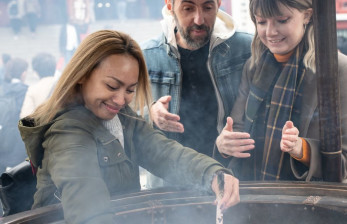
[[291, 142], [234, 143], [163, 119]]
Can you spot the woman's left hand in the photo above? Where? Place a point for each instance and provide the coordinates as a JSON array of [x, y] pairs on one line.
[[291, 142], [231, 194]]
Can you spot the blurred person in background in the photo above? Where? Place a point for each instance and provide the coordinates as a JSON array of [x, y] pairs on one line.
[[44, 64], [87, 141], [122, 10], [32, 10], [68, 42], [15, 13], [80, 16], [12, 150], [4, 59]]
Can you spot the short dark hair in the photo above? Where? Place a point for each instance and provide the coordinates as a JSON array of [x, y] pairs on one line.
[[15, 68], [5, 58], [44, 64]]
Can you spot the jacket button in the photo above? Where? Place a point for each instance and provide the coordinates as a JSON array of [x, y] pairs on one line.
[[106, 159], [119, 154]]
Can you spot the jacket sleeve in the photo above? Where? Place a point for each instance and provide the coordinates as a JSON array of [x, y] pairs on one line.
[[238, 111], [315, 168], [171, 161], [343, 115], [74, 169]]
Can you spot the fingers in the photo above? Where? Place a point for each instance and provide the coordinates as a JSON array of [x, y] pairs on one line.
[[287, 146], [169, 122], [163, 119], [235, 144], [238, 147], [170, 125], [290, 136], [231, 194], [291, 142]]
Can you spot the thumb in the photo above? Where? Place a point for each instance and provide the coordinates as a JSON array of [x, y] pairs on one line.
[[229, 124], [288, 124], [165, 99]]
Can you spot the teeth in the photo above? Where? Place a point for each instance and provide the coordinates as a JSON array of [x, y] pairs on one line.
[[275, 41]]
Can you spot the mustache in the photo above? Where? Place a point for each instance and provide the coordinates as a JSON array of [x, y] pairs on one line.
[[198, 27]]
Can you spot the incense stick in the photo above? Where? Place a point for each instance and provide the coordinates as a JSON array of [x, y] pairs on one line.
[[219, 213]]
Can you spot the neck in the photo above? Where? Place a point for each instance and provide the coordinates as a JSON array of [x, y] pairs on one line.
[[283, 58]]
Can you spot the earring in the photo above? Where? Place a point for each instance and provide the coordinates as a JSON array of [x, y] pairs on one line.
[[305, 25]]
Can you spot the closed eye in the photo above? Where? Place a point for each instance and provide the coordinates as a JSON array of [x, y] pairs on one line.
[[283, 21], [111, 87], [187, 8]]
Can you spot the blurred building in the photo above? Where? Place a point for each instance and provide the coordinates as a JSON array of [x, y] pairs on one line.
[[341, 17], [240, 13], [58, 11]]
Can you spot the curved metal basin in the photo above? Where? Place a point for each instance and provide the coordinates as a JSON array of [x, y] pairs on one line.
[[261, 202]]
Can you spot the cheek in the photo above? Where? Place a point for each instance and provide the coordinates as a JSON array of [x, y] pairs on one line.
[[129, 98], [261, 31]]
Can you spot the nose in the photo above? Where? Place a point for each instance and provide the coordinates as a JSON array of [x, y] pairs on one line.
[[119, 98], [271, 29], [199, 17]]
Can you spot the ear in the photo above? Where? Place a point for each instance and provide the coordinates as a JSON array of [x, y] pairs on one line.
[[169, 4], [219, 2], [23, 76], [308, 15]]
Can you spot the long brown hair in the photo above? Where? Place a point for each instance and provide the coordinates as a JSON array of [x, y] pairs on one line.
[[93, 49]]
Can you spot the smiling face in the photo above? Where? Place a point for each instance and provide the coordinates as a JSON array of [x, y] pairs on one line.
[[282, 33], [194, 20], [111, 86]]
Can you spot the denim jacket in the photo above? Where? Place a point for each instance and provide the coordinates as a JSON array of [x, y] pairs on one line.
[[229, 50]]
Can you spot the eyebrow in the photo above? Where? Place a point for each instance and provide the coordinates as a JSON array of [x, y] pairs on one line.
[[206, 2], [121, 82]]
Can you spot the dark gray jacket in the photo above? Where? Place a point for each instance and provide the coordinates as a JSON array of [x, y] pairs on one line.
[[83, 163]]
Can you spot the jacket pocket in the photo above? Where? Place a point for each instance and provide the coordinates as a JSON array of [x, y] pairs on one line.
[[229, 68], [118, 171], [161, 83]]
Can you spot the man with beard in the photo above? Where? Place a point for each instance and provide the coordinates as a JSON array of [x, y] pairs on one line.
[[195, 67]]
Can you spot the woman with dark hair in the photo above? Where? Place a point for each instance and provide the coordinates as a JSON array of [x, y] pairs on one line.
[[274, 130]]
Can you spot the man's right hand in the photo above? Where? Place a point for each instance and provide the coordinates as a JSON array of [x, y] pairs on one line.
[[163, 119], [232, 143]]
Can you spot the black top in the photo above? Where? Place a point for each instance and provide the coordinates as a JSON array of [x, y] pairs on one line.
[[198, 108]]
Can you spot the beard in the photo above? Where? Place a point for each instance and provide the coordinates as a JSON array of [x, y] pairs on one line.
[[197, 42]]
